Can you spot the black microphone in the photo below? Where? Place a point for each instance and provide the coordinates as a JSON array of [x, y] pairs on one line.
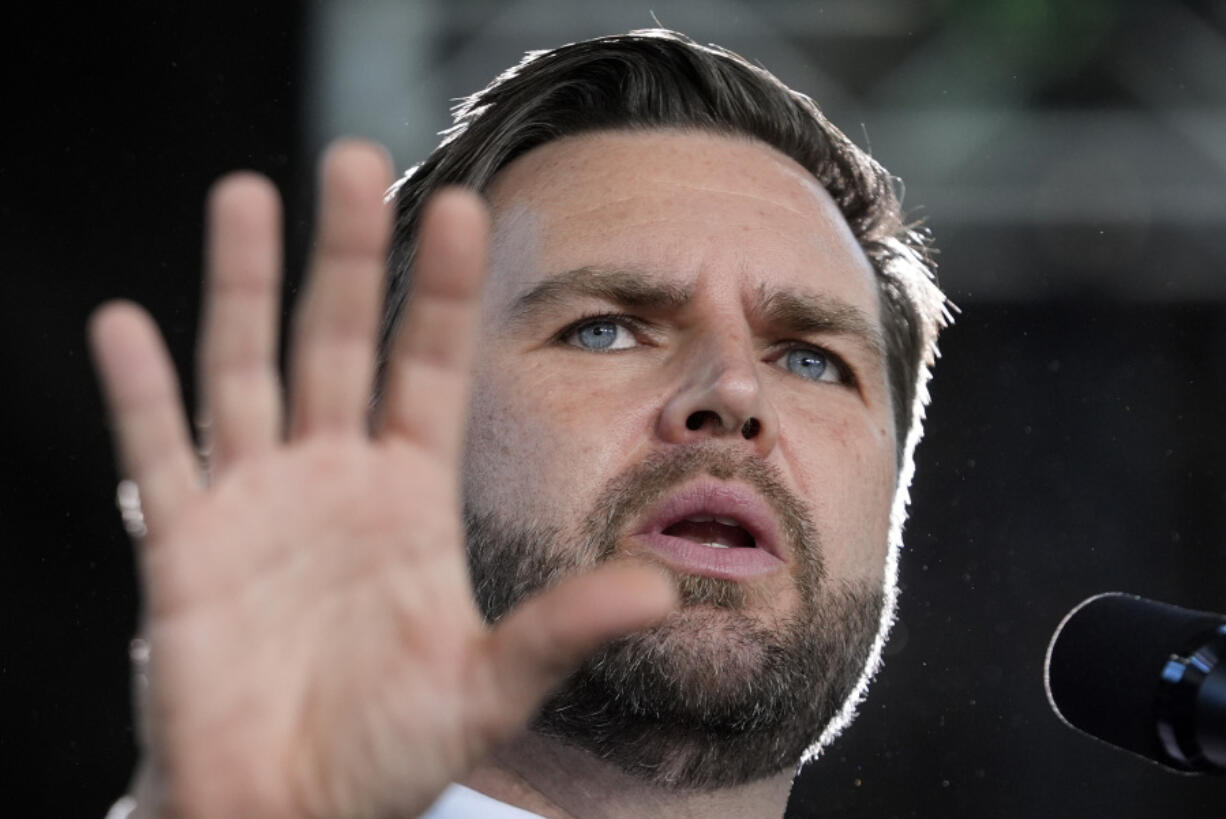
[[1144, 676]]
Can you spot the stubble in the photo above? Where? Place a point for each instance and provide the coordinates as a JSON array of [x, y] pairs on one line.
[[717, 695]]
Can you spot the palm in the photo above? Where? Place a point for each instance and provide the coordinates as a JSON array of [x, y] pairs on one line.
[[315, 649], [318, 612]]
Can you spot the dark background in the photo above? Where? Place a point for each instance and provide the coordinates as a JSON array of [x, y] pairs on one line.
[[1074, 443]]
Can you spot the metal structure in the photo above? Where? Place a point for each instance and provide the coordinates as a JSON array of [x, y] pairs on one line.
[[1090, 135]]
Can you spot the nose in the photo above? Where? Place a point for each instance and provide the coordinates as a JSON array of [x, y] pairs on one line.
[[720, 396]]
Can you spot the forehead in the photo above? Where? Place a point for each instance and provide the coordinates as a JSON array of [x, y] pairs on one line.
[[680, 204]]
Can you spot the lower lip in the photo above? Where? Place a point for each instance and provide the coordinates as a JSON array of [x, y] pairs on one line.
[[733, 563]]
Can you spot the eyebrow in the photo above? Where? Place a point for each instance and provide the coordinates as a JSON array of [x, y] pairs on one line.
[[785, 310], [630, 289], [803, 313]]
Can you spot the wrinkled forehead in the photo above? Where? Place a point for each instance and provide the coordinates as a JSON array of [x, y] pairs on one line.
[[676, 200]]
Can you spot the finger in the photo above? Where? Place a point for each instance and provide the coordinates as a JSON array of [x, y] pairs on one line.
[[542, 641], [428, 372], [240, 390], [142, 394], [334, 337]]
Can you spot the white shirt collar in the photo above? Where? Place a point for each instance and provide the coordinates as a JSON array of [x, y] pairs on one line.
[[459, 802]]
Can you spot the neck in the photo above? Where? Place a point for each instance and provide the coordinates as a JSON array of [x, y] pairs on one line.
[[560, 781]]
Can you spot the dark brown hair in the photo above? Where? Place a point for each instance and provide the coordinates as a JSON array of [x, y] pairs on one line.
[[662, 79]]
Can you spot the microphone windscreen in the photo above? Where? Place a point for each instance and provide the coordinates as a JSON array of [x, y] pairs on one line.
[[1105, 661]]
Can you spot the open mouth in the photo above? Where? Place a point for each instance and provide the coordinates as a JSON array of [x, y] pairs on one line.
[[715, 531], [714, 528]]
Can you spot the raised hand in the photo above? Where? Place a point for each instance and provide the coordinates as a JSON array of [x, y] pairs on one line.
[[314, 646]]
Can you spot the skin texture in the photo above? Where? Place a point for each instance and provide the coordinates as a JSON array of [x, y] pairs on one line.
[[725, 220], [315, 648]]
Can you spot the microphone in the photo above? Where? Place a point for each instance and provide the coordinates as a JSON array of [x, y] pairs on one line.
[[1144, 676]]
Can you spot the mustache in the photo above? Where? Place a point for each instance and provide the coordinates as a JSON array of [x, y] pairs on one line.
[[630, 493], [510, 559]]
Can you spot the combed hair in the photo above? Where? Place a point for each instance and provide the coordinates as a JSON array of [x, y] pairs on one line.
[[654, 79]]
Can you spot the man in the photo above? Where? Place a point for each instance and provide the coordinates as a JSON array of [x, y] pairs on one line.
[[694, 380]]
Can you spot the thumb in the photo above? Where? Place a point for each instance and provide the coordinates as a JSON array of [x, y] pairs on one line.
[[545, 638]]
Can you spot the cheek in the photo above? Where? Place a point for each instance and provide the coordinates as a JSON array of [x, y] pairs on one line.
[[506, 447], [847, 466], [543, 444]]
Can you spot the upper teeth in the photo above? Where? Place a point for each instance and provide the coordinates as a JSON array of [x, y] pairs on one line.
[[716, 518]]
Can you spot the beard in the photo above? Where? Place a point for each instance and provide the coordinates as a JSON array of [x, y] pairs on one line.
[[714, 696]]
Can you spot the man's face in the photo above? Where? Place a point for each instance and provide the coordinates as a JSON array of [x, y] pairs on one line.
[[681, 362]]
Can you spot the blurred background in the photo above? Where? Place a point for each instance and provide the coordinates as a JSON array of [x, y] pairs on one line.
[[1070, 158]]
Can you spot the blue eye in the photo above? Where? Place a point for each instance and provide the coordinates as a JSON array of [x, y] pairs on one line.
[[811, 364], [600, 335]]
